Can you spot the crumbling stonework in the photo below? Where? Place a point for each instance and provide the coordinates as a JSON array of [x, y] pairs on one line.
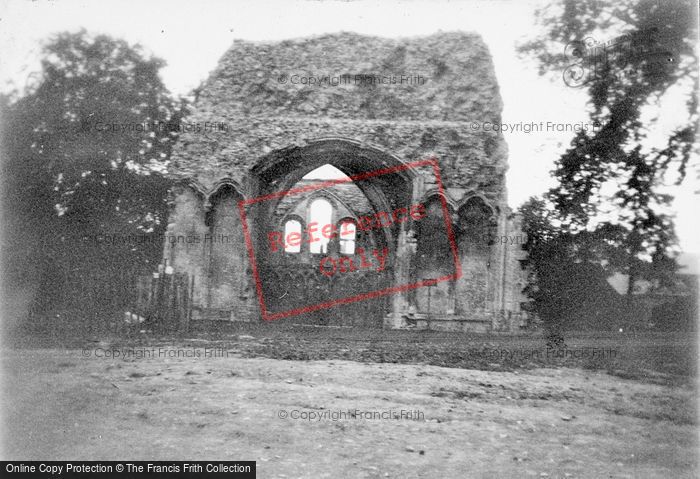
[[261, 123]]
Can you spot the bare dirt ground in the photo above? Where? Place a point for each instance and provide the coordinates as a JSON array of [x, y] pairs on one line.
[[475, 413]]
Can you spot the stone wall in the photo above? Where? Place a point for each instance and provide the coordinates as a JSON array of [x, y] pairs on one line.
[[407, 99], [349, 196], [411, 121]]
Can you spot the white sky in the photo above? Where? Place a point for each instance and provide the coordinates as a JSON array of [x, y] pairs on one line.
[[192, 35]]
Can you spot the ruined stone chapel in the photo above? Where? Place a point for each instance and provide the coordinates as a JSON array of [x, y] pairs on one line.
[[276, 117]]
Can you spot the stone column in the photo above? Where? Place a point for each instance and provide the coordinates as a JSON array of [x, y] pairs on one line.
[[500, 270], [405, 252], [255, 214]]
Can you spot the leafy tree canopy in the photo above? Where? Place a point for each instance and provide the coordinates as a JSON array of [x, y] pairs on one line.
[[628, 55], [86, 145]]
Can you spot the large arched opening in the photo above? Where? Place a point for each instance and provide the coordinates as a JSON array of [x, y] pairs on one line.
[[343, 273]]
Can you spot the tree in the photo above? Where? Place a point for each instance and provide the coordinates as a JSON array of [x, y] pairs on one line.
[[86, 147], [609, 201], [617, 172], [568, 284]]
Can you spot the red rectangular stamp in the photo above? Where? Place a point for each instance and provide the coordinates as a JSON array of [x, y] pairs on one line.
[[323, 244]]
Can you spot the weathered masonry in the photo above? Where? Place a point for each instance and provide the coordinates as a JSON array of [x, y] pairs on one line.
[[359, 104]]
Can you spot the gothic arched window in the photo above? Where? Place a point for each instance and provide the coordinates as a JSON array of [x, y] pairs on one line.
[[347, 233], [321, 213], [292, 226]]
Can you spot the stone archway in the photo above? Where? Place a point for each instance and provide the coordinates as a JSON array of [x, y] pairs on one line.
[[226, 269], [477, 224], [434, 260], [385, 181]]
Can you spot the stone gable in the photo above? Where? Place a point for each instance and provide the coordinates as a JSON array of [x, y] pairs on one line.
[[272, 112], [412, 121]]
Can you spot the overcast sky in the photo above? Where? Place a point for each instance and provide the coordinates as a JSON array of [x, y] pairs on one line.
[[192, 35]]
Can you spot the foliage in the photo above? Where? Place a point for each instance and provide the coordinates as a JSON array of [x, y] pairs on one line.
[[86, 147], [609, 207], [617, 172]]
